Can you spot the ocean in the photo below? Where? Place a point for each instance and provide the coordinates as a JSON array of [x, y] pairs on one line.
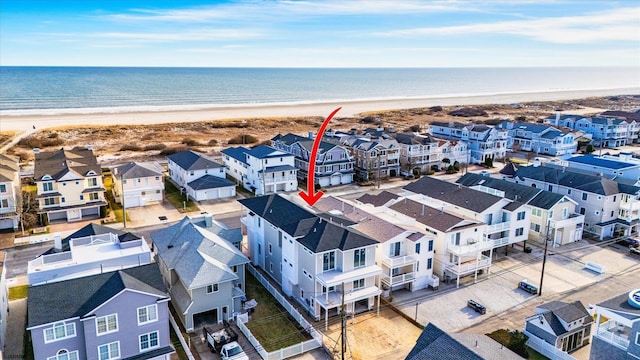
[[35, 90]]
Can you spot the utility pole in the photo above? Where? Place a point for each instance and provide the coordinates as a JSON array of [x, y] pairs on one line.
[[343, 317], [378, 170], [544, 257], [124, 208]]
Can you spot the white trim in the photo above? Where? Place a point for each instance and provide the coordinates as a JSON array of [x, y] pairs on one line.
[[53, 322], [52, 328], [149, 341], [106, 318], [108, 345], [121, 291], [155, 306]]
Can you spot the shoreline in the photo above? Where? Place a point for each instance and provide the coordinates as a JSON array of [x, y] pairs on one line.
[[79, 117]]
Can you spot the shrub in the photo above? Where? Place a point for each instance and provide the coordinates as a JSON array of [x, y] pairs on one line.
[[243, 139], [173, 150], [590, 149], [39, 142], [155, 147], [190, 142], [212, 142], [130, 147], [417, 173], [413, 128], [456, 166]]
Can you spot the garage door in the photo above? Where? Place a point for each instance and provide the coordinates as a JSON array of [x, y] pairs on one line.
[[228, 192], [6, 223], [57, 215], [132, 201], [91, 211]]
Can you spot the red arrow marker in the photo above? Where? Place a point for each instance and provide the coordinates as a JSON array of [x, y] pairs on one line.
[[311, 196]]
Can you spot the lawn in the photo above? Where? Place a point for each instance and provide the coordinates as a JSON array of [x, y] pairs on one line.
[[18, 292], [115, 207], [177, 199], [270, 323]]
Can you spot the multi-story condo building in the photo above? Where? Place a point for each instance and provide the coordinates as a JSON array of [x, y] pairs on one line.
[[141, 183], [622, 167], [507, 221], [632, 118], [610, 208], [69, 184], [375, 158], [93, 249], [541, 139], [405, 255], [483, 141], [617, 332], [417, 153], [10, 193], [454, 150], [314, 260], [204, 271], [558, 326], [334, 163], [199, 176], [261, 170], [553, 216], [114, 315], [609, 132]]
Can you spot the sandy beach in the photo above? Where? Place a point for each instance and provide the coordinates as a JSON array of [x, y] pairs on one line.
[[25, 122]]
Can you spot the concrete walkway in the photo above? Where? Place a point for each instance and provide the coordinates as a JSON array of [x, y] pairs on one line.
[[16, 323]]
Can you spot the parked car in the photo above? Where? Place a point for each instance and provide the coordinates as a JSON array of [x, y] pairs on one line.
[[216, 340], [526, 286], [477, 307], [629, 242], [634, 251], [233, 351]]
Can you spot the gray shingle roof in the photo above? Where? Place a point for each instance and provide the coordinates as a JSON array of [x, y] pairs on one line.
[[434, 343], [82, 295], [60, 162], [305, 142], [280, 212], [198, 256], [210, 182], [191, 160], [8, 168], [620, 304], [379, 199], [511, 190], [92, 229], [134, 170], [325, 236], [427, 215], [453, 194], [239, 153], [567, 312]]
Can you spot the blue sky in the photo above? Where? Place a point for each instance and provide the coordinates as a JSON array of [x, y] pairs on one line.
[[343, 33]]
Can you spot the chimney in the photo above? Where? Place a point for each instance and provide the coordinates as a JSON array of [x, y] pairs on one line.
[[115, 171], [57, 241], [36, 150], [422, 212], [90, 147], [310, 134], [208, 220], [557, 118]]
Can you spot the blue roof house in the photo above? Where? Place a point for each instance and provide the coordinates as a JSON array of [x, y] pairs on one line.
[[199, 176]]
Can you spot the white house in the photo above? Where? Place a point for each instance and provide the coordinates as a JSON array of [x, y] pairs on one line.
[[199, 176], [262, 170], [142, 183], [10, 192]]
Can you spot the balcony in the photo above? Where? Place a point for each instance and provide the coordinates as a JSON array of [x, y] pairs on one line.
[[397, 261], [505, 225], [614, 333], [500, 241], [333, 299], [472, 246], [573, 220], [279, 179], [632, 205], [336, 277], [469, 266], [397, 279]]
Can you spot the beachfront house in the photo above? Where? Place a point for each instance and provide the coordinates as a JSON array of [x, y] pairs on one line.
[[418, 153], [610, 208], [375, 158], [122, 314], [633, 121], [484, 142], [141, 183], [69, 184], [553, 216], [558, 325], [314, 260], [334, 164], [199, 177], [617, 329], [404, 254], [261, 170], [93, 249], [10, 193], [606, 131], [203, 271], [540, 139]]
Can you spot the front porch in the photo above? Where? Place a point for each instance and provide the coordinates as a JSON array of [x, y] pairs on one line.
[[467, 267], [355, 301]]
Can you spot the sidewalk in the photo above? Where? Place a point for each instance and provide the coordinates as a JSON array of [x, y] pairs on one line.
[[16, 324]]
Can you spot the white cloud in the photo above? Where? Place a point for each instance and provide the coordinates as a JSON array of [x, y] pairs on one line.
[[620, 24], [191, 35]]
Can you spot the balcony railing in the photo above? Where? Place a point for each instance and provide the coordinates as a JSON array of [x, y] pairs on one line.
[[505, 225], [573, 219], [606, 332], [631, 205], [397, 279], [470, 266], [277, 179], [471, 247], [397, 261], [500, 241]]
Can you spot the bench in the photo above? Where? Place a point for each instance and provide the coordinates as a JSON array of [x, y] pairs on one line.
[[39, 230], [530, 288], [476, 306], [590, 265]]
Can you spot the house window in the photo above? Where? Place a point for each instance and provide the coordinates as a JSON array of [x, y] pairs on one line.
[[49, 201], [81, 197], [147, 314], [109, 351], [568, 191], [418, 248], [430, 245], [394, 249], [64, 354], [638, 338], [359, 257], [329, 261], [535, 227], [48, 186], [358, 284], [92, 182], [107, 324], [149, 341], [519, 231], [3, 188], [270, 249], [582, 211], [60, 330], [584, 196], [212, 288], [521, 215], [429, 263], [93, 196], [4, 203]]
